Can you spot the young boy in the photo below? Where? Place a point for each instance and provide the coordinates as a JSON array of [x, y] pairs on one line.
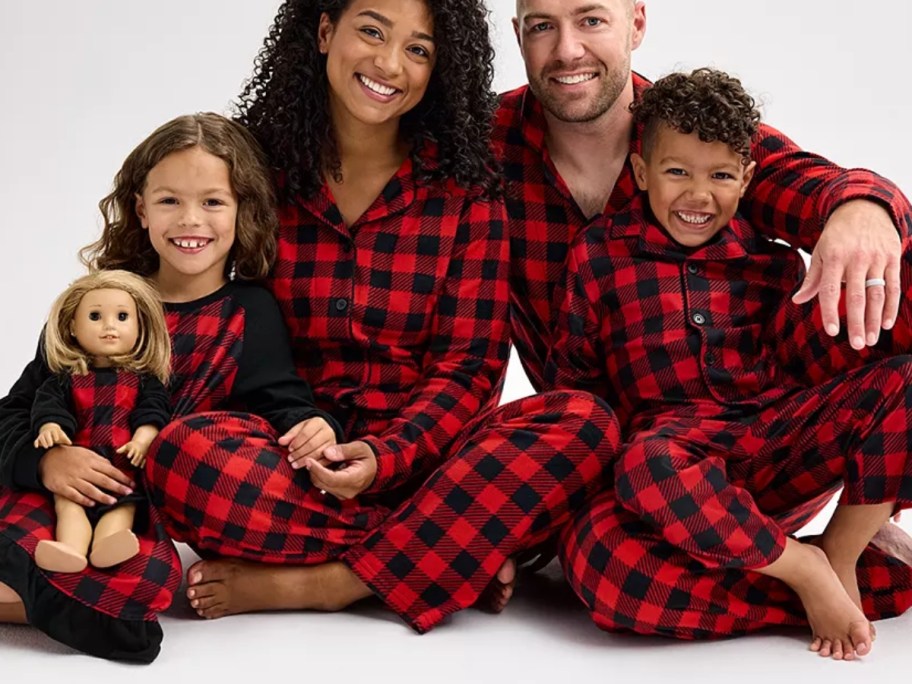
[[665, 316]]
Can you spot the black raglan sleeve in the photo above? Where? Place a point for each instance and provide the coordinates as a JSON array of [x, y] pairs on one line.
[[266, 382]]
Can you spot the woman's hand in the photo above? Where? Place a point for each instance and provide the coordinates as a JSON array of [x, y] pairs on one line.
[[353, 467], [308, 438], [82, 476]]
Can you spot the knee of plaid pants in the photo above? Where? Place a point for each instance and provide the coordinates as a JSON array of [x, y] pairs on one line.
[[511, 485], [632, 580], [676, 479]]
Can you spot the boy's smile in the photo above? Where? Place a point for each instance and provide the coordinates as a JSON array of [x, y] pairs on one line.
[[694, 186]]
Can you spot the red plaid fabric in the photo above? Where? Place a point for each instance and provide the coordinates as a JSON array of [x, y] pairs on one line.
[[227, 489], [651, 327], [401, 317], [791, 195], [511, 485], [632, 580]]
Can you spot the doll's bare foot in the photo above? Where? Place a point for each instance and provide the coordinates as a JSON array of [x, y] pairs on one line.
[[114, 549], [228, 586], [498, 593], [840, 630], [56, 556]]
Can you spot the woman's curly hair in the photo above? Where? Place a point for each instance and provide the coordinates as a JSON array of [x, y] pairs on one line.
[[286, 102], [707, 102], [124, 243]]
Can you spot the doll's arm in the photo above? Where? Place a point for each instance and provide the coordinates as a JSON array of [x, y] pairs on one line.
[[138, 446]]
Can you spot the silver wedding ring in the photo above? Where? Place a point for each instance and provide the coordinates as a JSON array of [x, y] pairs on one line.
[[873, 282]]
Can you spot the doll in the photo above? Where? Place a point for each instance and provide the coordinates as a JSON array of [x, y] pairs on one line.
[[108, 348]]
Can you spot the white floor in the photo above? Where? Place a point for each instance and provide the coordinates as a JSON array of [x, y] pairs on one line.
[[543, 636]]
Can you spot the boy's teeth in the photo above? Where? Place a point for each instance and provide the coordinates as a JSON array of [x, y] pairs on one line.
[[688, 217], [573, 80], [376, 87]]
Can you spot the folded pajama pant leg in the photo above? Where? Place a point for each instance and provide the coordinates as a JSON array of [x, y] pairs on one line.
[[508, 487], [676, 580], [225, 487], [108, 613]]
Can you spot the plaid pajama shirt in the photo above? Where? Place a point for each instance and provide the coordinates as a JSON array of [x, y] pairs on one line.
[[725, 452], [400, 325], [792, 193]]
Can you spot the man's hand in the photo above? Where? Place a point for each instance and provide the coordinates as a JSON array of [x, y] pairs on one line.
[[859, 243], [353, 469]]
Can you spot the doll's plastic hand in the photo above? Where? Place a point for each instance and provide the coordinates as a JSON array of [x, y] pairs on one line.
[[50, 435], [135, 451], [354, 467], [308, 439], [82, 476]]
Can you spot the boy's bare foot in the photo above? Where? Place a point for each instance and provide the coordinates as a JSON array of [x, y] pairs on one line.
[[228, 586], [58, 557], [498, 593], [839, 628]]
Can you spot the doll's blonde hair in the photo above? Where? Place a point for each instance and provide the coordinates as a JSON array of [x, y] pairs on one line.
[[152, 353]]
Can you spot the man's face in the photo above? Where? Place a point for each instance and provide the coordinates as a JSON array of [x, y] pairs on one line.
[[577, 52]]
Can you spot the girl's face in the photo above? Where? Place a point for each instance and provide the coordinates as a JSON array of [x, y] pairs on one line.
[[190, 210], [105, 324], [379, 58]]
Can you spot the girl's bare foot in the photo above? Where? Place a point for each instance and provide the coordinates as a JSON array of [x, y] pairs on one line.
[[498, 593], [228, 586], [839, 628], [13, 613], [7, 595]]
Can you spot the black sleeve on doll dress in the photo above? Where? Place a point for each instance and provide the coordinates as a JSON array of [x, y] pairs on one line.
[[267, 383], [18, 457], [153, 406]]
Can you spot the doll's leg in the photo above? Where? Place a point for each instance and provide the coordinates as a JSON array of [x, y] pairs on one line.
[[114, 539], [68, 553]]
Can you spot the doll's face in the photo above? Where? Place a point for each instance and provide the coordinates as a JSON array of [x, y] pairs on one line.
[[106, 324]]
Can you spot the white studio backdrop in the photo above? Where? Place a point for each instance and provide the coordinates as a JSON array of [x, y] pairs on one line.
[[83, 82]]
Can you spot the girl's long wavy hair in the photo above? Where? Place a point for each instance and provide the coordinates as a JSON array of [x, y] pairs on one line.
[[286, 102], [152, 353], [125, 244]]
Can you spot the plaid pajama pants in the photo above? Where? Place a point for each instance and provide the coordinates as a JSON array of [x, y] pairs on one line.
[[225, 487], [697, 502]]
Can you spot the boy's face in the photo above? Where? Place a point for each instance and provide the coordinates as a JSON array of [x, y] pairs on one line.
[[694, 187]]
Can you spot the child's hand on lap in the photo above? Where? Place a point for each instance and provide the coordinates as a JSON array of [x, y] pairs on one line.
[[308, 439]]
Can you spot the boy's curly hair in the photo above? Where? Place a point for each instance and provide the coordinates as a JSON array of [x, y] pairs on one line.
[[286, 102], [707, 102]]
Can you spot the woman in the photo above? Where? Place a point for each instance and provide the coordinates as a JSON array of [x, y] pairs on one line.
[[392, 277]]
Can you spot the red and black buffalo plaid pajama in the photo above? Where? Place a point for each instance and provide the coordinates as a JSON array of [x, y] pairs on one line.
[[400, 325], [725, 452]]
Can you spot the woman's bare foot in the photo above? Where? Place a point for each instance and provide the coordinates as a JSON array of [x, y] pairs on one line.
[[839, 628], [228, 586], [498, 593]]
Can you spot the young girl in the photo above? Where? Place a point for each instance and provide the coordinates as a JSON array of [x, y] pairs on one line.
[[191, 210], [108, 348]]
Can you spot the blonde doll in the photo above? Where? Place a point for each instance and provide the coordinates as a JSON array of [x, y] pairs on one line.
[[107, 344]]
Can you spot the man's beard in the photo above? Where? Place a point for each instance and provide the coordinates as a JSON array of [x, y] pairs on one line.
[[580, 109]]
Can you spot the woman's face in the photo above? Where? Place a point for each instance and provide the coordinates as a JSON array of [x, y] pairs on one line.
[[379, 58]]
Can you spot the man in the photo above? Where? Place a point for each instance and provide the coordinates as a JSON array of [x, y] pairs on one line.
[[564, 141]]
